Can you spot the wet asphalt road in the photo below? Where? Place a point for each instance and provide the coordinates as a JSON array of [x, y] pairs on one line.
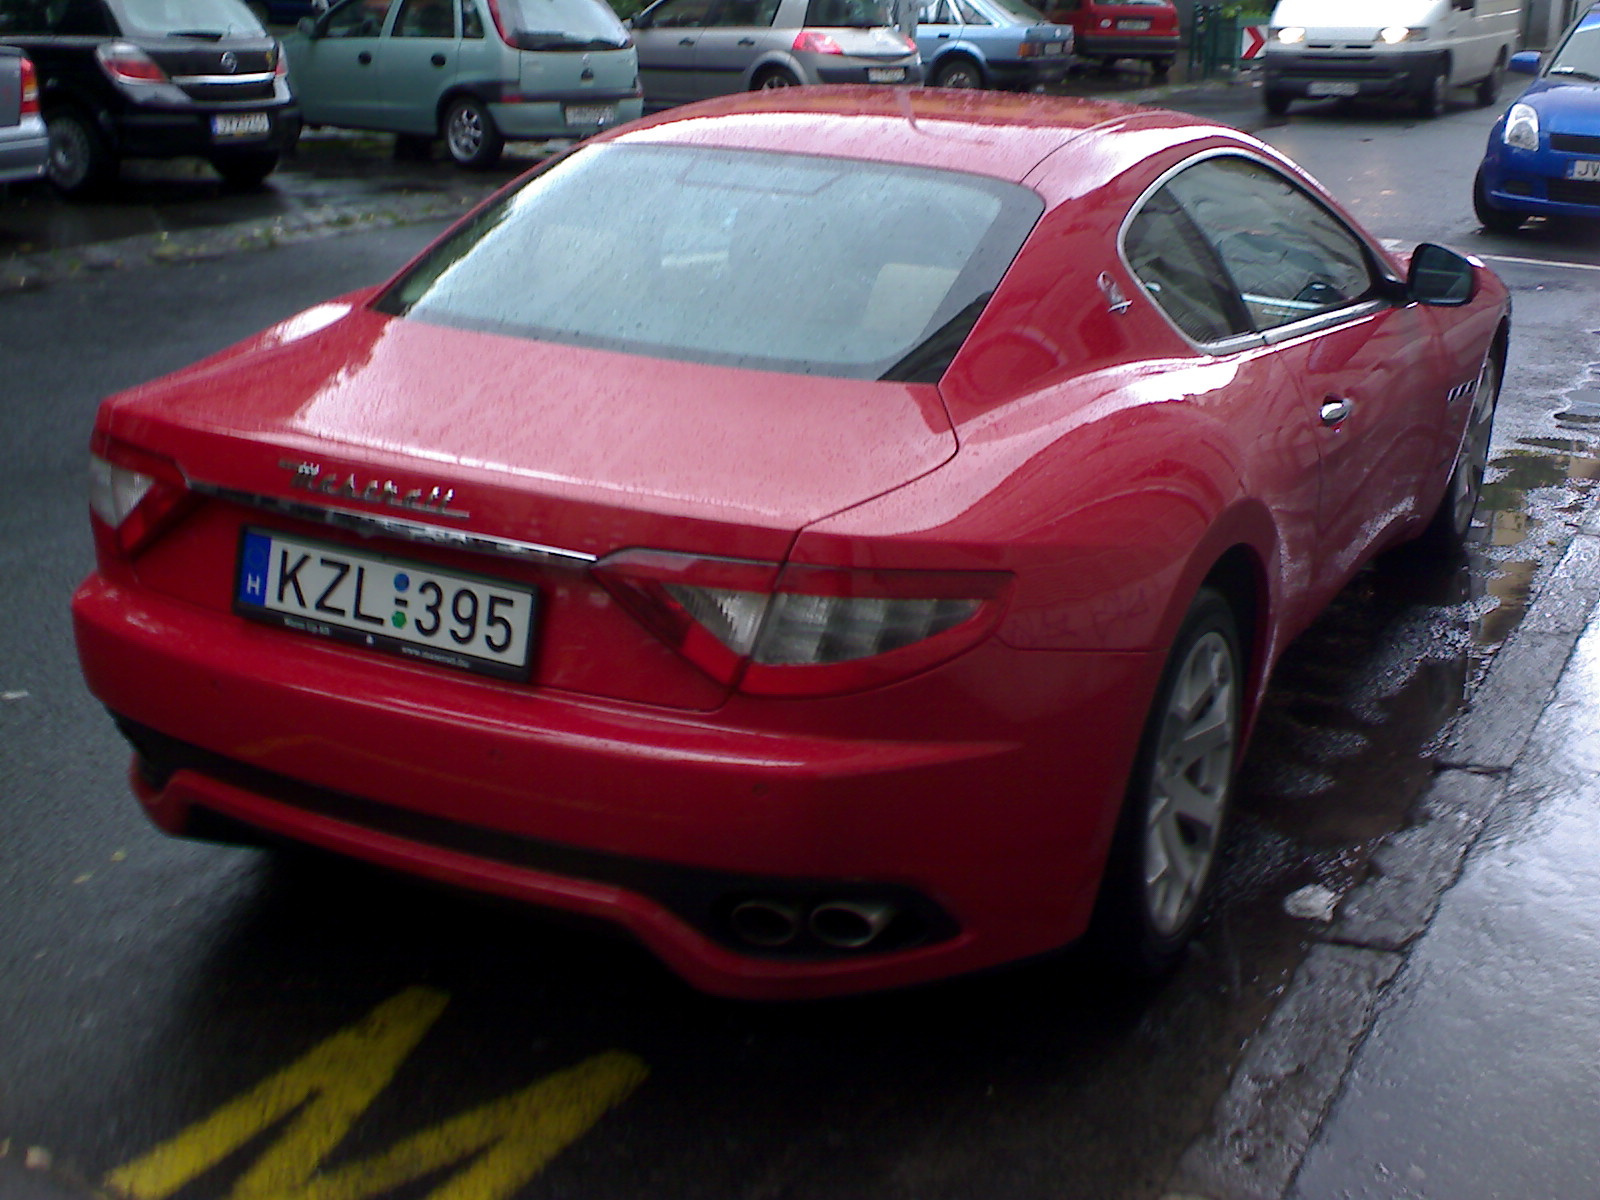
[[152, 984]]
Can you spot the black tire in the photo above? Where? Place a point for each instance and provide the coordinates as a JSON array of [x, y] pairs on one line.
[[773, 77], [1493, 220], [1163, 857], [957, 71], [1160, 68], [470, 134], [1488, 89], [1431, 100], [81, 163], [1447, 532], [245, 169], [1276, 103]]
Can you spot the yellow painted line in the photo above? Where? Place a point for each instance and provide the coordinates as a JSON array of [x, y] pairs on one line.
[[505, 1143]]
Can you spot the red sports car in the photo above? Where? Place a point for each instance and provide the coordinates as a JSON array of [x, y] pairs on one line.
[[840, 536]]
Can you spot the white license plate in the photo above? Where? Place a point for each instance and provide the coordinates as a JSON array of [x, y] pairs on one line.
[[591, 114], [1327, 87], [228, 126], [1054, 47], [469, 622], [886, 74], [1134, 26], [1584, 168]]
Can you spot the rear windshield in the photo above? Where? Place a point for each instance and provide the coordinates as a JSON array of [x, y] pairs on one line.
[[563, 25], [778, 262], [863, 14], [1021, 10], [197, 18]]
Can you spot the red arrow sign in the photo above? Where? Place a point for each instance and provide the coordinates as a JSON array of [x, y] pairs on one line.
[[1251, 39]]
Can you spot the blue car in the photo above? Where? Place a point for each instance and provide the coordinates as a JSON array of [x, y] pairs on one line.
[[991, 44], [1543, 158]]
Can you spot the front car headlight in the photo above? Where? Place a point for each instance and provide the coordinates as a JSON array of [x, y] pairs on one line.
[[1289, 35], [1522, 127], [1393, 35]]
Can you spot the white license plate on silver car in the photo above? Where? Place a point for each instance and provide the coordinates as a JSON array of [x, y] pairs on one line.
[[402, 607], [591, 114], [886, 74], [227, 127], [1584, 168], [1332, 87]]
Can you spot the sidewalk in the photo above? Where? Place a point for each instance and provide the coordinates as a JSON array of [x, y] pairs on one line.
[[1443, 1041]]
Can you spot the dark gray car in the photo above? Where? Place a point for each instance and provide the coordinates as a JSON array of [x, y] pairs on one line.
[[692, 49]]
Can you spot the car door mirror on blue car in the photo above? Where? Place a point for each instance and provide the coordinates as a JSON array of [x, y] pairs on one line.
[[1524, 62]]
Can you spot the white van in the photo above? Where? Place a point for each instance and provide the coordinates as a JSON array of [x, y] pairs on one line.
[[1407, 48]]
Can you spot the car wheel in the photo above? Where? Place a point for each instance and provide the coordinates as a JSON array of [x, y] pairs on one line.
[[1494, 220], [1160, 68], [1166, 845], [1488, 90], [1446, 534], [1277, 103], [80, 161], [1430, 101], [774, 77], [246, 170], [470, 134], [958, 72]]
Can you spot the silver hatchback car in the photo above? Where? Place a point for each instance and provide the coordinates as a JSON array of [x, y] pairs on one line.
[[475, 72], [692, 49]]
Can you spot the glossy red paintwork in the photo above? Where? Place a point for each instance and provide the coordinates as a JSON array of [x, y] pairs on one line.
[[1093, 455]]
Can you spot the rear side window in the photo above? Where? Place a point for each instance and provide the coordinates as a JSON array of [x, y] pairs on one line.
[[771, 261]]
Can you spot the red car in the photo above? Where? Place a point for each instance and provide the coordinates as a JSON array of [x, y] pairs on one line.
[[1106, 30], [840, 536]]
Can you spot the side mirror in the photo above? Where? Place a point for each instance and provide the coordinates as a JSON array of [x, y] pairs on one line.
[[306, 26], [1524, 62], [1441, 277]]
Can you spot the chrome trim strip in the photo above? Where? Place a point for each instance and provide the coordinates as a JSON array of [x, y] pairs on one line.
[[372, 525], [215, 80]]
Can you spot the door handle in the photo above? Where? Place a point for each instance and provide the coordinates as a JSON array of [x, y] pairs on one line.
[[747, 41], [685, 41], [364, 58], [437, 60], [1335, 409]]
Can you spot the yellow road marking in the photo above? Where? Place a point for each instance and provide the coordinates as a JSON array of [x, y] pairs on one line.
[[508, 1141]]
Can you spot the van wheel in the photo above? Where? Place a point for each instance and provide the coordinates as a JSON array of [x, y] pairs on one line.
[[1489, 86], [80, 161], [1430, 101], [470, 134], [1277, 103]]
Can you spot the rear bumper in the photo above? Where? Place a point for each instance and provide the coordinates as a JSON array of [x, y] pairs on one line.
[[179, 132], [560, 117], [1127, 45], [656, 822], [24, 151]]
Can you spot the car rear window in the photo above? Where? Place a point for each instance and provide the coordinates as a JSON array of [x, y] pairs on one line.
[[577, 25], [777, 262], [198, 18]]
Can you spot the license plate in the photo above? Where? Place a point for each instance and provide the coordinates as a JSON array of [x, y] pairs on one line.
[[1332, 88], [886, 74], [449, 618], [1134, 26], [228, 126], [1584, 168], [591, 114], [1053, 47]]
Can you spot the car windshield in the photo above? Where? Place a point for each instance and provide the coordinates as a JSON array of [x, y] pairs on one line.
[[864, 14], [771, 261], [1579, 54], [563, 25], [189, 18]]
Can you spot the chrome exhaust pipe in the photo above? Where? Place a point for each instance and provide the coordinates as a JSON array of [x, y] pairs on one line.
[[850, 924], [766, 922]]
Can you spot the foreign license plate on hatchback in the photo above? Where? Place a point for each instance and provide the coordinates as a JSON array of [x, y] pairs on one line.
[[886, 74], [1584, 168], [1135, 26], [449, 618], [1332, 87], [591, 114], [227, 127]]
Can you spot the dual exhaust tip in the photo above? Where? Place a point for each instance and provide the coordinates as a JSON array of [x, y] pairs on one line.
[[839, 924]]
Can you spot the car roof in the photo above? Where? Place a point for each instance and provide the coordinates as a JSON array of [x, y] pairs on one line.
[[1000, 134]]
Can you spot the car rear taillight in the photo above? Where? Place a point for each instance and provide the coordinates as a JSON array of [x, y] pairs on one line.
[[132, 495], [814, 41], [500, 23], [804, 630], [30, 88], [126, 63], [280, 61]]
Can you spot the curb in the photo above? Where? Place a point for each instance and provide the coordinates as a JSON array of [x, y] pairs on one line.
[[1294, 1066]]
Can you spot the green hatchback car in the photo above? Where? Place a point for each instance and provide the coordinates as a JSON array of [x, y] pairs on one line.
[[474, 72]]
